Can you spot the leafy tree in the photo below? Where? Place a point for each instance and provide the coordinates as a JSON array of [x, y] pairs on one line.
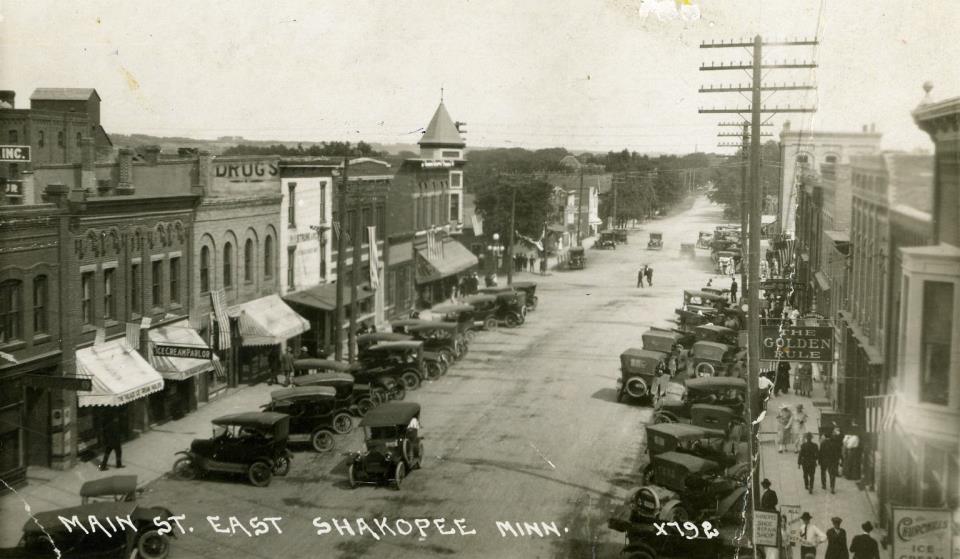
[[534, 207], [323, 149], [727, 179]]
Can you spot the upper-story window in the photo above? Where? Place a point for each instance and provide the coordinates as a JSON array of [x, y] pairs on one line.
[[61, 139], [10, 310], [156, 273], [39, 304], [228, 265], [79, 139], [86, 298], [135, 306], [248, 260], [268, 257], [366, 221], [292, 204], [831, 159], [204, 269], [456, 179], [41, 139], [109, 301], [935, 347], [454, 206], [174, 282], [802, 158]]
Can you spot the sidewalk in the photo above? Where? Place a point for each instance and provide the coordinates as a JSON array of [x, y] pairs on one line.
[[849, 503], [149, 456]]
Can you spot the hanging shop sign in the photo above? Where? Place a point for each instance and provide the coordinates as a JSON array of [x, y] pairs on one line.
[[183, 352], [922, 532], [796, 343], [49, 382]]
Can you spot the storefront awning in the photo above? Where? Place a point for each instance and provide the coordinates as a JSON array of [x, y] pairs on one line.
[[453, 258], [324, 297], [822, 280], [267, 321], [120, 374], [178, 368]]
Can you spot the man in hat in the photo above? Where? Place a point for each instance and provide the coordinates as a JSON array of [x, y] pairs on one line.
[[768, 499], [863, 545], [836, 541], [831, 450], [807, 460], [810, 536]]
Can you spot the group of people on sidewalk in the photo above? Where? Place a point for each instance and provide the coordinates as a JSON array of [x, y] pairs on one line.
[[646, 272]]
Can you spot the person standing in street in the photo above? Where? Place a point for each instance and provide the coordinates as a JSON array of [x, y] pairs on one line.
[[640, 275], [768, 499], [286, 366], [784, 427], [733, 290], [543, 266], [799, 427], [782, 380], [836, 541], [810, 536], [851, 453], [807, 461], [863, 546], [648, 272], [112, 441], [830, 451]]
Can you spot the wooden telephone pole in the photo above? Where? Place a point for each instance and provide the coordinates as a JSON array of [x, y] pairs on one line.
[[755, 195], [580, 209], [341, 248]]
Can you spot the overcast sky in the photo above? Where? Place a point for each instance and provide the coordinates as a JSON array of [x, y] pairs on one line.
[[588, 74]]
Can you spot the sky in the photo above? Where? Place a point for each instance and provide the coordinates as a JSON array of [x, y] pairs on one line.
[[581, 74]]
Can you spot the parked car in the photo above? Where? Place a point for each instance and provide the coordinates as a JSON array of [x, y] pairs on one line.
[[393, 445], [576, 259], [253, 444], [669, 342], [44, 536], [712, 359], [699, 307], [686, 438], [314, 366], [703, 240], [435, 364], [685, 484], [607, 240], [443, 338], [621, 235], [315, 415], [714, 333], [530, 289], [110, 488], [493, 310], [403, 360], [355, 397], [655, 242], [380, 386], [639, 371], [460, 314], [727, 392]]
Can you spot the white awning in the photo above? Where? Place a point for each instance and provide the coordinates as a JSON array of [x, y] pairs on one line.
[[178, 368], [268, 321], [120, 374]]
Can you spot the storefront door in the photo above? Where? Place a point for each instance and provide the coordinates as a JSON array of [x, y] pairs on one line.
[[37, 438]]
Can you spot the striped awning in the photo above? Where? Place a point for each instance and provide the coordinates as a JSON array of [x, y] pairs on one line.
[[178, 368], [267, 321], [120, 374]]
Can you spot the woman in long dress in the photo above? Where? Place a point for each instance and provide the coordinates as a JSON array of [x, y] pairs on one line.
[[784, 427], [799, 426]]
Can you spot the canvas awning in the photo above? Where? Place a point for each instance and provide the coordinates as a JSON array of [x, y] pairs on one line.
[[453, 259], [822, 280], [120, 374], [267, 321], [324, 297], [178, 368]]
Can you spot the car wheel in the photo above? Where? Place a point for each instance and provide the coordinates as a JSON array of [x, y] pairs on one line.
[[364, 405], [281, 465], [259, 474], [447, 355], [153, 545], [470, 335], [512, 320], [490, 324], [705, 369], [379, 396], [416, 464], [399, 392], [663, 418], [434, 369], [410, 380], [322, 441], [636, 387], [398, 475], [185, 469], [406, 451], [342, 423], [351, 477]]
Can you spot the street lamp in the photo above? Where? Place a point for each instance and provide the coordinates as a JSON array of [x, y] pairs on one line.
[[495, 249]]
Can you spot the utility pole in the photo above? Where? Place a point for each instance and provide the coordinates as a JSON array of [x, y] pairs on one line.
[[756, 88], [513, 225], [614, 222], [341, 247], [580, 209], [355, 280]]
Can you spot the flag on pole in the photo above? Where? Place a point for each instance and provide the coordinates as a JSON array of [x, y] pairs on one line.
[[432, 245], [373, 260], [133, 335], [477, 225], [218, 369], [218, 299], [880, 412]]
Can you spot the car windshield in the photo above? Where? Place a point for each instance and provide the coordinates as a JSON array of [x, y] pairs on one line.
[[388, 432]]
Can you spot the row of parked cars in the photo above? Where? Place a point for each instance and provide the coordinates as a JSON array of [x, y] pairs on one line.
[[696, 468]]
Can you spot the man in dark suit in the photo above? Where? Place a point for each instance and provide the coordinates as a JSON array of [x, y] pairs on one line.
[[830, 451], [112, 440], [836, 541], [807, 460], [863, 545], [768, 499]]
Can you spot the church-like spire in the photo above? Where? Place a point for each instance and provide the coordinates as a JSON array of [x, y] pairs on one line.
[[442, 132]]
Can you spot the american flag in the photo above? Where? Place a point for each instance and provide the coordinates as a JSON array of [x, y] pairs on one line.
[[434, 250], [373, 260], [218, 299], [218, 369], [133, 335], [880, 412]]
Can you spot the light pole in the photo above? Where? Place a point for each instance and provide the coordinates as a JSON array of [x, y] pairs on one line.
[[495, 250]]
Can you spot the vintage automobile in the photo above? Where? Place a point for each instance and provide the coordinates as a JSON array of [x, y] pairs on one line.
[[381, 387], [726, 262], [640, 370], [530, 289], [46, 537], [704, 239], [393, 444], [607, 240], [685, 484], [435, 364], [494, 309], [576, 258], [110, 488], [725, 293], [355, 397], [687, 438], [315, 415], [699, 307], [655, 242], [688, 249], [668, 341], [402, 359], [442, 338], [251, 443], [714, 333], [314, 366], [726, 392], [621, 235], [460, 314], [712, 359]]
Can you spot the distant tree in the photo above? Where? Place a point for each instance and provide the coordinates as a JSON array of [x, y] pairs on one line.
[[726, 178], [533, 204], [322, 149]]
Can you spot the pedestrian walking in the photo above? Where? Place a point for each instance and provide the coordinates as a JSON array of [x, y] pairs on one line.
[[640, 275], [112, 441], [543, 266], [863, 546], [810, 536], [807, 461], [782, 380], [766, 388], [805, 378], [768, 499], [799, 427], [648, 272], [836, 541], [830, 452], [851, 453], [784, 427], [286, 368], [733, 291]]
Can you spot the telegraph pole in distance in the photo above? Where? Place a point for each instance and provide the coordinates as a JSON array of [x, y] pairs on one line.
[[580, 209], [355, 280], [755, 194], [513, 217], [341, 247]]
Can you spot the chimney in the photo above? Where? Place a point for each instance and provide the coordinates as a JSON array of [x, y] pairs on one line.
[[125, 172], [88, 173], [28, 187], [151, 154], [56, 193], [204, 159], [8, 97]]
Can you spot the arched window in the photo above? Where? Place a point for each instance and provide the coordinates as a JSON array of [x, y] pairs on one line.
[[268, 257], [228, 264], [248, 260], [79, 139], [204, 269], [802, 158], [10, 310], [831, 159], [39, 304]]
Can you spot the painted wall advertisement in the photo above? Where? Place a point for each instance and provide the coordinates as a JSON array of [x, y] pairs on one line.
[[922, 533]]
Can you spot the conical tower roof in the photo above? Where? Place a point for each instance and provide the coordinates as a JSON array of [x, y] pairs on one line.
[[442, 132]]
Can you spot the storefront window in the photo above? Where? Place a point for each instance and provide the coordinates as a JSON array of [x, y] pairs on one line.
[[108, 299], [10, 310], [135, 288], [39, 304], [935, 342], [268, 257], [936, 470], [175, 280], [86, 297]]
